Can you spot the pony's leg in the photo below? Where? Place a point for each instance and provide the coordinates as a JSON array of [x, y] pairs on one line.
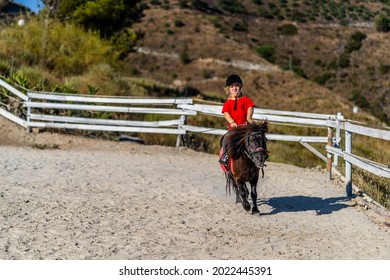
[[255, 210], [238, 198], [235, 188], [243, 192]]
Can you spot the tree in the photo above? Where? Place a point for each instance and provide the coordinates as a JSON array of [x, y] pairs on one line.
[[267, 52], [382, 23], [105, 16], [112, 19]]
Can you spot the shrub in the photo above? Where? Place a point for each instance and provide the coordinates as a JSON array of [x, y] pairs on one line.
[[200, 5], [232, 6], [354, 43], [34, 80], [216, 22], [183, 4], [384, 69], [5, 66], [258, 2], [240, 27], [360, 100], [298, 16], [63, 49], [184, 57], [358, 36], [267, 52], [124, 41], [318, 62], [382, 23], [207, 73], [263, 12], [323, 78], [179, 23], [344, 60], [299, 71], [288, 29]]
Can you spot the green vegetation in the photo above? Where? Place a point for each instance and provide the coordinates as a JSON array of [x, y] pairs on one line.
[[179, 23], [288, 29], [108, 18], [344, 12], [267, 52], [63, 49], [105, 16], [382, 23], [384, 69], [360, 100], [354, 43], [185, 57], [323, 78], [232, 6]]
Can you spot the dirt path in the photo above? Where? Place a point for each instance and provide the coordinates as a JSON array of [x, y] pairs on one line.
[[65, 197]]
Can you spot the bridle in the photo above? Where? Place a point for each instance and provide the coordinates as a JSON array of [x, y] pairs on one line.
[[252, 153]]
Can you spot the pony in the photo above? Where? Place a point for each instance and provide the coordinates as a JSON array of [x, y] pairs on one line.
[[247, 150]]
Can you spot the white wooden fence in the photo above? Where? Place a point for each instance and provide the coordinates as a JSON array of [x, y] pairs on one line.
[[35, 102]]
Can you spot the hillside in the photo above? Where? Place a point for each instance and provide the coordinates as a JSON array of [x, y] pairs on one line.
[[188, 45], [309, 55]]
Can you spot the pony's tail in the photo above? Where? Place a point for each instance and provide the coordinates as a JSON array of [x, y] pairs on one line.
[[228, 183]]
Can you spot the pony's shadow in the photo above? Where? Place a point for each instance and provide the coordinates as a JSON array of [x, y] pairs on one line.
[[322, 206]]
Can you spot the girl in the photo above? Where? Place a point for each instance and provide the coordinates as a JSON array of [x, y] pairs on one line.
[[238, 109]]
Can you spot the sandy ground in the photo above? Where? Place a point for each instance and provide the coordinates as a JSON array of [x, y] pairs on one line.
[[67, 197]]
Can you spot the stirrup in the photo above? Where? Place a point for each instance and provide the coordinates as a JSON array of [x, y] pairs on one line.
[[224, 160]]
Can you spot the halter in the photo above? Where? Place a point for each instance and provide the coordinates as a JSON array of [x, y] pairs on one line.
[[251, 154], [257, 150]]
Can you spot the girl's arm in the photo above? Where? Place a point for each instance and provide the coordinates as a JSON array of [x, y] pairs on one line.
[[229, 119], [249, 115]]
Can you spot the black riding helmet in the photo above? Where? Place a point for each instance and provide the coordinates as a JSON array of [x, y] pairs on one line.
[[233, 78]]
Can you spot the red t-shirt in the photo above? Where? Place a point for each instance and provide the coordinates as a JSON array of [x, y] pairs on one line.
[[243, 104]]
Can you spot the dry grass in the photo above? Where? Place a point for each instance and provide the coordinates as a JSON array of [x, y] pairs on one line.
[[202, 38]]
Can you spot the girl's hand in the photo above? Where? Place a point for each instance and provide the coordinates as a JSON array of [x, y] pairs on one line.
[[233, 124]]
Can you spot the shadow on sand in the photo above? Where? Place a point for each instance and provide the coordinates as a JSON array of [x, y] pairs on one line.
[[322, 206]]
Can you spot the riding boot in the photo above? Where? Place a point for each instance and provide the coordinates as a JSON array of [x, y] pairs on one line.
[[224, 159]]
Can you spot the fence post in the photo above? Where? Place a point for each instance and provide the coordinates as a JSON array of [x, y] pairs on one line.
[[337, 138], [180, 138], [348, 165], [329, 157], [28, 114]]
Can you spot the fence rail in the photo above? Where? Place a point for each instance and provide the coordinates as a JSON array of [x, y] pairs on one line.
[[184, 107]]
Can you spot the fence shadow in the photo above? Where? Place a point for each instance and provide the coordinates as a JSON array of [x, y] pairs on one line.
[[322, 206]]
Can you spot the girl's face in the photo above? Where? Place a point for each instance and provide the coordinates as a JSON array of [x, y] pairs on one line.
[[234, 89]]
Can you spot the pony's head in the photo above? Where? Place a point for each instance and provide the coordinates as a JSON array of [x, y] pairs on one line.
[[256, 146], [250, 140]]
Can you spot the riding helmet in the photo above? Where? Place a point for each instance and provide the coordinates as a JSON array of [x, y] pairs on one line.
[[233, 78]]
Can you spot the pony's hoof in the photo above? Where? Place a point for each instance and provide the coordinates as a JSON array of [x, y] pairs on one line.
[[254, 212], [247, 207]]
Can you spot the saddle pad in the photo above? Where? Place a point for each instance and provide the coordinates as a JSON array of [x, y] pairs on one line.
[[230, 166]]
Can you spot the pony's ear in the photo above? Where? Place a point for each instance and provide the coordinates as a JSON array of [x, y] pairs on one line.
[[264, 125]]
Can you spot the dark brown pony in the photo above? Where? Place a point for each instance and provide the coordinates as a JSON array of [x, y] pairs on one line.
[[247, 150]]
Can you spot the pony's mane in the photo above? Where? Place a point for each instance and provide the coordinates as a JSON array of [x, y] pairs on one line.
[[236, 138]]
